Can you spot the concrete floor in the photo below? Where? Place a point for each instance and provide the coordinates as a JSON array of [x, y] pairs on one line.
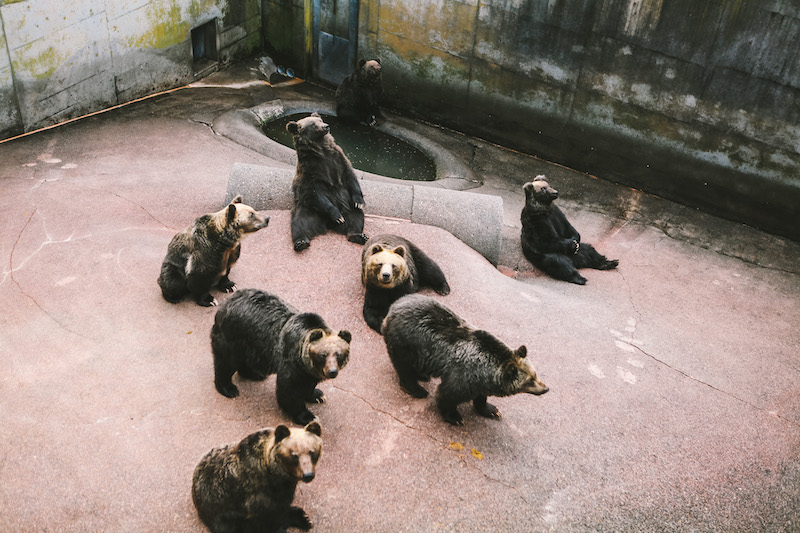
[[673, 402]]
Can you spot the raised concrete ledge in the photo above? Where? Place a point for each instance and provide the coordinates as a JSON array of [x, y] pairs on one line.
[[475, 219], [244, 127]]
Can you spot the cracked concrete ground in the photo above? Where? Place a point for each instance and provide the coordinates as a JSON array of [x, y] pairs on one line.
[[673, 400]]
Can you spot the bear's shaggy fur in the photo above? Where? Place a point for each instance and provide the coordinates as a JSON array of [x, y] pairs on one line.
[[550, 242], [256, 334], [358, 95], [426, 339], [325, 188], [201, 256], [250, 485], [392, 267]]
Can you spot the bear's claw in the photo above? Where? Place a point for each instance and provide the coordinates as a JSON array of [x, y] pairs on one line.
[[301, 244]]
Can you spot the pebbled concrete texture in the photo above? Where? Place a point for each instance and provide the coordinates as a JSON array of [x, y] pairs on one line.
[[673, 402]]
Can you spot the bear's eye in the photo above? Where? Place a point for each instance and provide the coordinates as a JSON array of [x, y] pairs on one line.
[[294, 457], [313, 456]]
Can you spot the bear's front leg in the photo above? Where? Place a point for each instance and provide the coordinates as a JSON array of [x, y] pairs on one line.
[[297, 517], [199, 286], [292, 393], [486, 409], [226, 285], [316, 396]]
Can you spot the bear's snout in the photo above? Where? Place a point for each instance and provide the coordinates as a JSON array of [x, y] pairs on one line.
[[308, 477], [333, 372], [326, 128]]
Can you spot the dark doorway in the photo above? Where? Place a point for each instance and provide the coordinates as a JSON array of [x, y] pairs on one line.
[[204, 46], [335, 33]]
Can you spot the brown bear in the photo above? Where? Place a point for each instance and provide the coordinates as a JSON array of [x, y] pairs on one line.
[[250, 485], [326, 192], [392, 267], [550, 242], [358, 95], [426, 339], [201, 256], [257, 334]]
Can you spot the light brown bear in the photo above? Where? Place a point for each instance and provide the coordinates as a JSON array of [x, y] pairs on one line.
[[250, 485], [392, 267], [201, 257]]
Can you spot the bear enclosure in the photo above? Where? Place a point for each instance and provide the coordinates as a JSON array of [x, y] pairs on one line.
[[696, 101]]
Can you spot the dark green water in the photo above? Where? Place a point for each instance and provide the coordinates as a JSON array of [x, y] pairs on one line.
[[367, 148]]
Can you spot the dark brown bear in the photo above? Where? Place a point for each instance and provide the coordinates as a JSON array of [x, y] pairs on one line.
[[392, 267], [550, 242], [200, 257], [326, 192], [358, 95], [250, 485], [426, 339], [256, 334]]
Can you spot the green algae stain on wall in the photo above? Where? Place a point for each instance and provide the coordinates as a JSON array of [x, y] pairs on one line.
[[40, 66], [167, 26]]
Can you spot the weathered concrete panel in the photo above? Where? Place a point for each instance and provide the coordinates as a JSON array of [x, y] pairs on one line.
[[445, 25], [10, 121]]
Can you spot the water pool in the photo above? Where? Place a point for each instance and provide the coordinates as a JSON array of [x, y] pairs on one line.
[[368, 149]]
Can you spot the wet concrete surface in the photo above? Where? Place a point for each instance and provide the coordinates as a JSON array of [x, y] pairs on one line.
[[673, 402]]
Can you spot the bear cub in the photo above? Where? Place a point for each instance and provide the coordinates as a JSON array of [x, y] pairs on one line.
[[358, 95], [426, 339], [200, 257], [256, 334], [550, 242], [250, 485], [392, 267], [326, 192]]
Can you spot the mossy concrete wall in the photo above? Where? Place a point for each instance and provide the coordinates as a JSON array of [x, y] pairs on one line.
[[694, 100], [59, 60]]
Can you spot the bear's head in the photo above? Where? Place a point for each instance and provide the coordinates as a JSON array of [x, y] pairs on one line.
[[385, 267], [325, 352], [297, 450], [311, 128], [539, 191], [240, 217], [516, 372], [369, 70]]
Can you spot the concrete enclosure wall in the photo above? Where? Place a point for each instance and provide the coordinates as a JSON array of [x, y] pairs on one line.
[[59, 60], [695, 100]]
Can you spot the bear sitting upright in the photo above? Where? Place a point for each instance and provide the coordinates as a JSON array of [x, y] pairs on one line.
[[201, 256], [392, 267], [358, 95], [325, 188], [250, 485], [550, 242], [426, 339], [256, 334]]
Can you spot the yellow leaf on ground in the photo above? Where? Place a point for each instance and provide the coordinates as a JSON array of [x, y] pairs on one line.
[[476, 454], [456, 446]]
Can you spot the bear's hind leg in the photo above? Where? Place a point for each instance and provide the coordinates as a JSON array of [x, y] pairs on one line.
[[173, 284], [408, 376], [292, 396], [354, 226], [306, 224], [485, 409], [223, 372], [560, 267], [588, 257]]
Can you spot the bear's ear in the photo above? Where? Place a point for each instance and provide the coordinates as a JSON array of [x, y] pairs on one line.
[[540, 177], [237, 200], [314, 427], [315, 335], [281, 432], [400, 250], [378, 60], [315, 115], [231, 213], [362, 62], [293, 127], [344, 334], [376, 249], [522, 351]]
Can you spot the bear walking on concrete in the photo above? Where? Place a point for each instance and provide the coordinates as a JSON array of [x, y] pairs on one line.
[[325, 188], [257, 334], [550, 242], [201, 256], [392, 267], [358, 95], [426, 339], [250, 485]]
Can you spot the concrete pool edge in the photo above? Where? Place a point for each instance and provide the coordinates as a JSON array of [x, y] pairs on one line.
[[243, 126], [475, 219]]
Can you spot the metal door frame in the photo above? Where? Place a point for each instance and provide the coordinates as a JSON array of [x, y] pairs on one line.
[[312, 20]]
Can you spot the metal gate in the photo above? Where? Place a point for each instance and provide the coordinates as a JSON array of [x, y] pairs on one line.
[[335, 36]]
